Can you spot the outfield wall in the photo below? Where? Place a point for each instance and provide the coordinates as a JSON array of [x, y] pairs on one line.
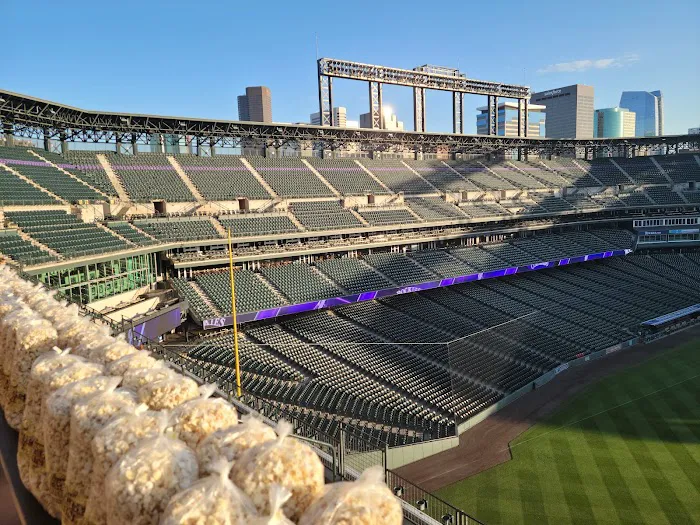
[[400, 456]]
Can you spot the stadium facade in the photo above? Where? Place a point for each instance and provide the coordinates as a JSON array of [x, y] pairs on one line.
[[385, 299]]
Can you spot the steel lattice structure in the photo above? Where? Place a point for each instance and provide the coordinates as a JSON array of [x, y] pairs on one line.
[[420, 79], [30, 117]]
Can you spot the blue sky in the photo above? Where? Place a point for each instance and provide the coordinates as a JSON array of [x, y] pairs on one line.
[[177, 58]]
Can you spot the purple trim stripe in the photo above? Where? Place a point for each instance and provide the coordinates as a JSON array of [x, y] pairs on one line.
[[135, 168], [333, 302]]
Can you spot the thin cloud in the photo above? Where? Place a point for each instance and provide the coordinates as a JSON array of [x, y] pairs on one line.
[[585, 65]]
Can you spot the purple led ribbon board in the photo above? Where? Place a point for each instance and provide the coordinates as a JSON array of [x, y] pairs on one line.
[[333, 302]]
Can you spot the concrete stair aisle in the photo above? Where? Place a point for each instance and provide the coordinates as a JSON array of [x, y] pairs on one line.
[[205, 298], [143, 232], [67, 173], [323, 179], [373, 176], [31, 182], [622, 170], [421, 177], [218, 227], [39, 245], [260, 179], [589, 174], [272, 288], [661, 170], [296, 222], [112, 176], [186, 179], [103, 227], [358, 217]]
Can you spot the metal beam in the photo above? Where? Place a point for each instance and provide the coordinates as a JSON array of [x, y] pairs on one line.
[[457, 112], [375, 105], [523, 117], [325, 100], [419, 110], [415, 78], [31, 117], [493, 115]]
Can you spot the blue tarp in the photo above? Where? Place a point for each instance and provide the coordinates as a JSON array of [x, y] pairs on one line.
[[673, 316]]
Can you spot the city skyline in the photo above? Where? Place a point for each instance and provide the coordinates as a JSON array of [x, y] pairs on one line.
[[197, 82]]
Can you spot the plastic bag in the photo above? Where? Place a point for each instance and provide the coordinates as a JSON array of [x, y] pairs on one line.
[[109, 445], [139, 486], [70, 328], [194, 420], [366, 501], [30, 448], [232, 442], [277, 497], [287, 462], [214, 500], [135, 378], [134, 361], [33, 338], [56, 416], [88, 417], [169, 392], [115, 349], [10, 324]]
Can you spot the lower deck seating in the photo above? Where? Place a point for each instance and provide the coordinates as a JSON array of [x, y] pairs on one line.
[[414, 364]]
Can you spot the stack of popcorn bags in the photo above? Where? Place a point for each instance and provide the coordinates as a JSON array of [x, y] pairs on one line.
[[110, 435]]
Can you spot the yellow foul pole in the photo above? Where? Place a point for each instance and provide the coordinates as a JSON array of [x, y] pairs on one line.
[[233, 313]]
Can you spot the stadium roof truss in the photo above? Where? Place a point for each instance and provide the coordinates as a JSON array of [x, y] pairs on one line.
[[30, 117]]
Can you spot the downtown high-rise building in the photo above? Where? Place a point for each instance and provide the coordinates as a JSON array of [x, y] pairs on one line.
[[649, 108], [569, 111], [507, 120], [614, 123], [255, 105], [340, 117]]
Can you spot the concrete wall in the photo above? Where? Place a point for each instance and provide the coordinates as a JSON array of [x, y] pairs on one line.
[[400, 456], [124, 297]]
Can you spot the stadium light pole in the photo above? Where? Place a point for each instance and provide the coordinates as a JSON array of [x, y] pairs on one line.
[[233, 313]]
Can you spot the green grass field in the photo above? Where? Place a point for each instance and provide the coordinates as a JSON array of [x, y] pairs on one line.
[[625, 450]]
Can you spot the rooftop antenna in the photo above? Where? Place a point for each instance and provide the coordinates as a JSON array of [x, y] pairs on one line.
[[316, 46]]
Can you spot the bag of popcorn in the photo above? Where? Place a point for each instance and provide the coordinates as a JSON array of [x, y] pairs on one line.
[[110, 443], [10, 324], [168, 392], [121, 366], [363, 502], [139, 486], [194, 420], [56, 415], [135, 378], [30, 448], [10, 305], [277, 497], [88, 417], [33, 337], [285, 461], [214, 500], [232, 442], [115, 349]]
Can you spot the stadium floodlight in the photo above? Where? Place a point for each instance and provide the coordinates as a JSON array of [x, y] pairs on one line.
[[421, 504], [398, 491], [183, 124], [2, 100]]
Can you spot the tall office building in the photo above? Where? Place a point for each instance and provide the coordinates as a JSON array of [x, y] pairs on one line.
[[255, 105], [507, 120], [389, 121], [649, 107], [693, 131], [340, 117], [569, 111], [614, 123]]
